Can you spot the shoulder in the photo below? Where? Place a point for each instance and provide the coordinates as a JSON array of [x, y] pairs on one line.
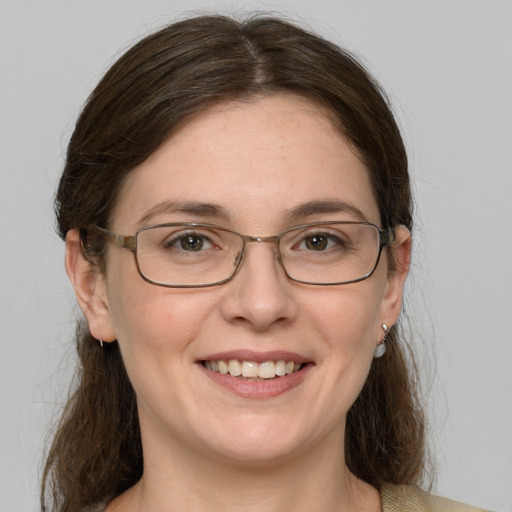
[[409, 498]]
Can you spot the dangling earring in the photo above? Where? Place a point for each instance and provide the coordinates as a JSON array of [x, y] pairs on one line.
[[101, 343], [380, 349]]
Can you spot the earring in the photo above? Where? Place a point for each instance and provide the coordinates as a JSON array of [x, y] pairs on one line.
[[101, 343], [380, 349]]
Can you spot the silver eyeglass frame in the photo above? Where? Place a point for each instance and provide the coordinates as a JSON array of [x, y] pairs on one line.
[[129, 242]]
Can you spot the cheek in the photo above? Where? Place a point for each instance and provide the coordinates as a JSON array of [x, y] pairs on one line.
[[156, 329], [142, 313], [343, 323], [155, 326], [156, 318], [347, 321], [347, 317]]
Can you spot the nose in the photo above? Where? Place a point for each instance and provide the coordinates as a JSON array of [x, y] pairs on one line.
[[260, 295]]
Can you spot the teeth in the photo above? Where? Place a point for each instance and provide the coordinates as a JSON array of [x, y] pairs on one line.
[[253, 370], [249, 369], [267, 370], [235, 368], [223, 367], [281, 368]]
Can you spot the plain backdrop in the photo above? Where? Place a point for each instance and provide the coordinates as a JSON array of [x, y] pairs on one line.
[[447, 66]]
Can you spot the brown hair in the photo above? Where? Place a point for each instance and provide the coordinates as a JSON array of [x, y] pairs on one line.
[[148, 94]]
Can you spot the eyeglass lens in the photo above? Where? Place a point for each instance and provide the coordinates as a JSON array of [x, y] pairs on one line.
[[185, 255]]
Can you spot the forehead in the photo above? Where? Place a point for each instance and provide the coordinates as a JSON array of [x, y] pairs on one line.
[[255, 160]]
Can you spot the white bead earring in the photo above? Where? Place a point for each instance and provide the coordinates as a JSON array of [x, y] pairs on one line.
[[380, 349]]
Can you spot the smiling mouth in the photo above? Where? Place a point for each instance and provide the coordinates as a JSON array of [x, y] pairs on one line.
[[251, 370]]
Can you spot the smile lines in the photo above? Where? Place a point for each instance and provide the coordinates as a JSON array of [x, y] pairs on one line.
[[253, 370]]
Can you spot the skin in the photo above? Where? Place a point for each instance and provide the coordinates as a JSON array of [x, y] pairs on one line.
[[206, 448]]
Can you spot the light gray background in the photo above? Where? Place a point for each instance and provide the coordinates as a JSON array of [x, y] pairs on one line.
[[448, 68]]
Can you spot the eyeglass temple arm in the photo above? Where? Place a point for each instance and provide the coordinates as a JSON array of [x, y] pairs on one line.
[[123, 241], [387, 236]]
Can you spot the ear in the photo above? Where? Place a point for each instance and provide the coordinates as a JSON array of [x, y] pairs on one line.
[[90, 289], [400, 253]]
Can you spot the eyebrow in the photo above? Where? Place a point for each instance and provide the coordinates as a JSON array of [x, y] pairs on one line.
[[194, 208], [317, 207], [212, 210]]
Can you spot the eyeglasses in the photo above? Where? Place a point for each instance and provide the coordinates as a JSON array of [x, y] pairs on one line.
[[193, 255]]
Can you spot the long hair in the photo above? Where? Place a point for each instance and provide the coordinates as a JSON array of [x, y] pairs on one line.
[[147, 95]]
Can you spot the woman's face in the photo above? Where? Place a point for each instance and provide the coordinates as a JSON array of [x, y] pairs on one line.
[[247, 166]]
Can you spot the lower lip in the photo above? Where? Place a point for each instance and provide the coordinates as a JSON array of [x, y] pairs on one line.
[[258, 388]]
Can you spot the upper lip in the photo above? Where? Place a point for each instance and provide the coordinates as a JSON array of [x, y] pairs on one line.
[[257, 357]]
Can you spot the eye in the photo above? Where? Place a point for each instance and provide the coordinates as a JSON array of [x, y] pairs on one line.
[[190, 242], [319, 242]]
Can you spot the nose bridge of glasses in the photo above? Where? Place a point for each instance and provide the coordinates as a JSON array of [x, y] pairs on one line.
[[259, 239], [262, 239]]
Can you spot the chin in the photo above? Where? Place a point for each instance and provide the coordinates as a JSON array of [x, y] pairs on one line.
[[257, 442]]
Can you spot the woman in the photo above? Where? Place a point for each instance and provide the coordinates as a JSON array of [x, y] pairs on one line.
[[237, 216]]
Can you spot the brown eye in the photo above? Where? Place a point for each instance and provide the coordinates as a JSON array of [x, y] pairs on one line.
[[316, 242], [190, 243]]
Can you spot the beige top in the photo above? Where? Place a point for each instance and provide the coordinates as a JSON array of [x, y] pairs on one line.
[[395, 498], [409, 498]]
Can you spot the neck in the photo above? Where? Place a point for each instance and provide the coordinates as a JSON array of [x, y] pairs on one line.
[[317, 479]]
